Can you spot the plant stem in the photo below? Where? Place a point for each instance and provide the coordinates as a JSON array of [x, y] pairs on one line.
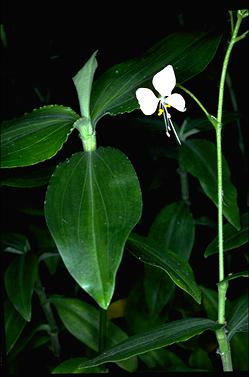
[[224, 346], [45, 304], [184, 184], [102, 329]]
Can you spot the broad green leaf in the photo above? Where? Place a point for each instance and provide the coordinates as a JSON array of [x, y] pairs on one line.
[[161, 336], [175, 266], [172, 220], [189, 53], [26, 177], [232, 238], [71, 366], [83, 83], [199, 359], [36, 136], [92, 203], [174, 229], [19, 281], [240, 351], [239, 319], [14, 325], [198, 157], [82, 321], [210, 302], [162, 358], [14, 243]]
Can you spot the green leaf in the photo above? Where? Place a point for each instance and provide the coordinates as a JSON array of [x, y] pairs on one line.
[[19, 281], [242, 274], [36, 136], [189, 53], [26, 177], [71, 366], [161, 357], [239, 319], [175, 266], [161, 336], [92, 203], [14, 325], [198, 157], [210, 302], [199, 359], [174, 220], [14, 243], [83, 83], [240, 351], [232, 238], [82, 321]]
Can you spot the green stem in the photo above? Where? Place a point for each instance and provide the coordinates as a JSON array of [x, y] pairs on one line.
[[53, 330], [184, 184], [224, 346], [87, 134]]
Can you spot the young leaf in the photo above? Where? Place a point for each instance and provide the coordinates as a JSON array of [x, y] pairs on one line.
[[175, 266], [92, 203], [26, 177], [189, 53], [198, 157], [83, 83], [14, 325], [19, 281], [232, 238], [14, 243], [239, 319], [36, 136], [174, 220], [161, 336], [82, 321]]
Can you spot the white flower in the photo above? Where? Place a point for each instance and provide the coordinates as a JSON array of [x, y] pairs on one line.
[[164, 82]]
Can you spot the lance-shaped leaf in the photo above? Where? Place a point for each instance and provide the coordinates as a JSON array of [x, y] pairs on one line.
[[172, 220], [19, 280], [176, 267], [82, 321], [83, 83], [114, 91], [161, 336], [71, 366], [36, 136], [13, 325], [239, 319], [92, 203], [232, 238], [198, 157]]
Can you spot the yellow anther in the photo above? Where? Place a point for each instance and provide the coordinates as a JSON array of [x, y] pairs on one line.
[[160, 112], [167, 105]]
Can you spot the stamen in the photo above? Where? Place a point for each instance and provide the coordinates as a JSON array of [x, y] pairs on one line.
[[160, 112], [173, 128]]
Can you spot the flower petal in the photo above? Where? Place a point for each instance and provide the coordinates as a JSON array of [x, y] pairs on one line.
[[165, 81], [147, 100], [177, 101]]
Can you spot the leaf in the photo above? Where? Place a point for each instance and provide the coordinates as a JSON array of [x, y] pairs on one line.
[[175, 266], [161, 357], [210, 302], [232, 238], [238, 321], [19, 280], [71, 366], [161, 336], [92, 203], [26, 177], [82, 321], [15, 243], [189, 53], [83, 83], [243, 274], [36, 136], [199, 359], [198, 157], [14, 325], [240, 350], [174, 220]]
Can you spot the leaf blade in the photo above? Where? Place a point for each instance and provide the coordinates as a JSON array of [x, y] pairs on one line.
[[161, 336], [176, 267], [36, 136], [99, 201]]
